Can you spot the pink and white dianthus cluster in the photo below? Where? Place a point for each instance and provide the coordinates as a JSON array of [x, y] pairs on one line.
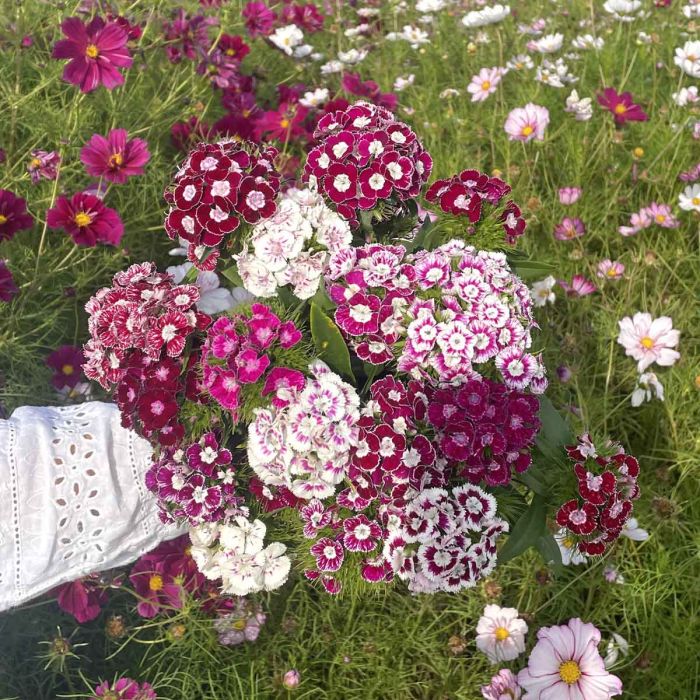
[[292, 246], [438, 313], [303, 442]]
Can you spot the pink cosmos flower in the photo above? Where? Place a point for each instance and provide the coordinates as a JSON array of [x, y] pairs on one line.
[[527, 123], [569, 229], [649, 340], [124, 689], [66, 361], [86, 219], [565, 664], [83, 598], [43, 164], [503, 686], [96, 51], [569, 195], [580, 286], [621, 106], [484, 83], [661, 214], [610, 269], [114, 158], [13, 215], [8, 288]]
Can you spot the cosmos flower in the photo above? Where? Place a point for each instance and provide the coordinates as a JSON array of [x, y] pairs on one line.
[[580, 107], [13, 215], [500, 634], [569, 195], [610, 269], [96, 51], [570, 553], [527, 123], [565, 663], [86, 219], [580, 286], [43, 164], [687, 58], [503, 686], [648, 387], [8, 288], [66, 361], [114, 158], [569, 229], [484, 83], [543, 291], [689, 199], [486, 15], [649, 340], [621, 106], [632, 531]]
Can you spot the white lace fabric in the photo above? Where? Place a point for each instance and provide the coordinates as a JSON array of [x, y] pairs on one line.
[[72, 498]]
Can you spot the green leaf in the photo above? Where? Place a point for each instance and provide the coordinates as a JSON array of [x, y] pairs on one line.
[[527, 530], [531, 269], [329, 342], [547, 546], [231, 274], [321, 298], [532, 482], [555, 433]]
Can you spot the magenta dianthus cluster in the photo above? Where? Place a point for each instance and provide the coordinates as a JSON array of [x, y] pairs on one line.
[[218, 185], [467, 193], [606, 486], [366, 155]]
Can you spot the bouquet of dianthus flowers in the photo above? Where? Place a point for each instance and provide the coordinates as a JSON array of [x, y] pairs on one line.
[[373, 404]]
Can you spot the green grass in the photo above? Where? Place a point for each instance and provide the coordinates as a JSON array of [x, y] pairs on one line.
[[393, 645]]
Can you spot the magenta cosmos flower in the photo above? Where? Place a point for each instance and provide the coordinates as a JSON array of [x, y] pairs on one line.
[[13, 215], [565, 664], [43, 164], [114, 158], [124, 689], [621, 106], [86, 219], [8, 288], [96, 51], [66, 361], [527, 123]]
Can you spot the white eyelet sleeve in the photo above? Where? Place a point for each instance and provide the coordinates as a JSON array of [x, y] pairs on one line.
[[72, 498]]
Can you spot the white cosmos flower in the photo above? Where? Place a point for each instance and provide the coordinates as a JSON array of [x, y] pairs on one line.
[[632, 530], [401, 83], [543, 291], [570, 554], [692, 11], [616, 645], [580, 107], [689, 199], [500, 634], [486, 15], [588, 41], [287, 38], [648, 386], [687, 58], [623, 10], [685, 96], [547, 44], [315, 98], [426, 6], [352, 56]]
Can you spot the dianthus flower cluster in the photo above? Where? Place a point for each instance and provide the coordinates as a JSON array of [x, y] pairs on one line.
[[138, 330], [303, 441], [364, 156], [446, 540], [467, 193], [237, 352], [606, 485], [197, 484], [218, 185], [483, 429], [235, 553], [437, 312], [292, 247]]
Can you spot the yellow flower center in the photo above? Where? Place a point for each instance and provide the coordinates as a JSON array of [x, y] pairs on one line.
[[116, 159], [638, 152], [660, 218], [246, 113], [569, 672], [620, 109], [238, 625], [284, 123], [155, 583], [695, 201], [82, 219], [501, 634], [3, 219], [92, 51], [485, 85], [35, 163], [568, 542], [518, 65], [68, 370], [527, 130], [230, 52], [647, 342], [612, 272]]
